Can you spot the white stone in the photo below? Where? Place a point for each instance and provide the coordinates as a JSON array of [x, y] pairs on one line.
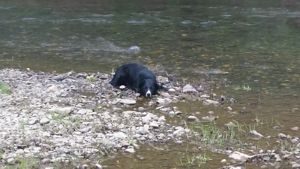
[[223, 161], [189, 89], [209, 102], [33, 121], [84, 111], [179, 131], [256, 134], [61, 110], [120, 135], [154, 124], [130, 150], [127, 101], [192, 118], [296, 128], [238, 156], [44, 120], [11, 161], [172, 90]]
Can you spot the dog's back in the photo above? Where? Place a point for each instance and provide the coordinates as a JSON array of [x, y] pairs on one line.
[[136, 77]]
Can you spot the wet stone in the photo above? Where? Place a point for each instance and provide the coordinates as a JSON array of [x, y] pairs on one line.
[[127, 101], [238, 156], [192, 118]]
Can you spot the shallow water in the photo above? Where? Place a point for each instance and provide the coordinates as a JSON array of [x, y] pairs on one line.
[[249, 50]]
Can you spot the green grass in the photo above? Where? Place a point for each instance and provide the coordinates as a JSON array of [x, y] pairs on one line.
[[210, 134], [195, 160], [24, 163], [4, 88]]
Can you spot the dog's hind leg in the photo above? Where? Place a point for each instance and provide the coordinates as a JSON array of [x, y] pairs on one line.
[[118, 79]]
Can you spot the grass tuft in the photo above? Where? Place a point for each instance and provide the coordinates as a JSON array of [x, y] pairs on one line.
[[4, 88]]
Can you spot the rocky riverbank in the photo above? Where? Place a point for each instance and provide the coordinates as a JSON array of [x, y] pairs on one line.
[[75, 119], [79, 116]]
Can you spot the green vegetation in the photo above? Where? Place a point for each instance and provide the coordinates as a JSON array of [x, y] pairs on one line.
[[212, 135], [24, 163], [4, 88], [58, 117], [191, 161], [243, 87], [91, 78]]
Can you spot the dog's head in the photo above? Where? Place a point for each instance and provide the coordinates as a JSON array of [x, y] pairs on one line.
[[148, 88]]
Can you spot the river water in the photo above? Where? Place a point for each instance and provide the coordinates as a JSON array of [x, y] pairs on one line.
[[248, 49]]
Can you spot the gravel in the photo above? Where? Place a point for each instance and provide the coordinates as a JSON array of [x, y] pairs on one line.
[[76, 116]]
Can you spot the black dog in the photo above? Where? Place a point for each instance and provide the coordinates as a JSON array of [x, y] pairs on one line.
[[136, 77]]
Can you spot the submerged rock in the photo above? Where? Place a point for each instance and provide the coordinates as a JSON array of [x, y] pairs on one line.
[[238, 156]]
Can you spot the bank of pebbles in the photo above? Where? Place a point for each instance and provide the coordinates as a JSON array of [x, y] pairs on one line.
[[67, 117]]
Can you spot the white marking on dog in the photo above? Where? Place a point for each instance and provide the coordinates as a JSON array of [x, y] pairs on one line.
[[148, 93]]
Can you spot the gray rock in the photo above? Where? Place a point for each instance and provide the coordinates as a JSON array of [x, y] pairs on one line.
[[130, 149], [256, 134], [192, 118], [210, 102], [189, 89], [84, 111], [162, 79], [171, 90], [163, 101], [154, 124], [127, 101], [134, 50], [209, 118], [296, 128], [33, 121], [282, 136], [120, 135], [44, 120], [179, 132], [295, 165], [11, 161], [61, 110], [238, 156]]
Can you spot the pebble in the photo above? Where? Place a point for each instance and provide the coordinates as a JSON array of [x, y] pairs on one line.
[[223, 161], [127, 101], [11, 161], [296, 128], [122, 87], [171, 90], [130, 149], [179, 131], [238, 156], [192, 118], [189, 89], [162, 79], [33, 121], [154, 124], [44, 120], [282, 136], [209, 118], [210, 102], [256, 134]]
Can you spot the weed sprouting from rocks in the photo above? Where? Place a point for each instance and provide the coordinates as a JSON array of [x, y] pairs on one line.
[[4, 88]]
